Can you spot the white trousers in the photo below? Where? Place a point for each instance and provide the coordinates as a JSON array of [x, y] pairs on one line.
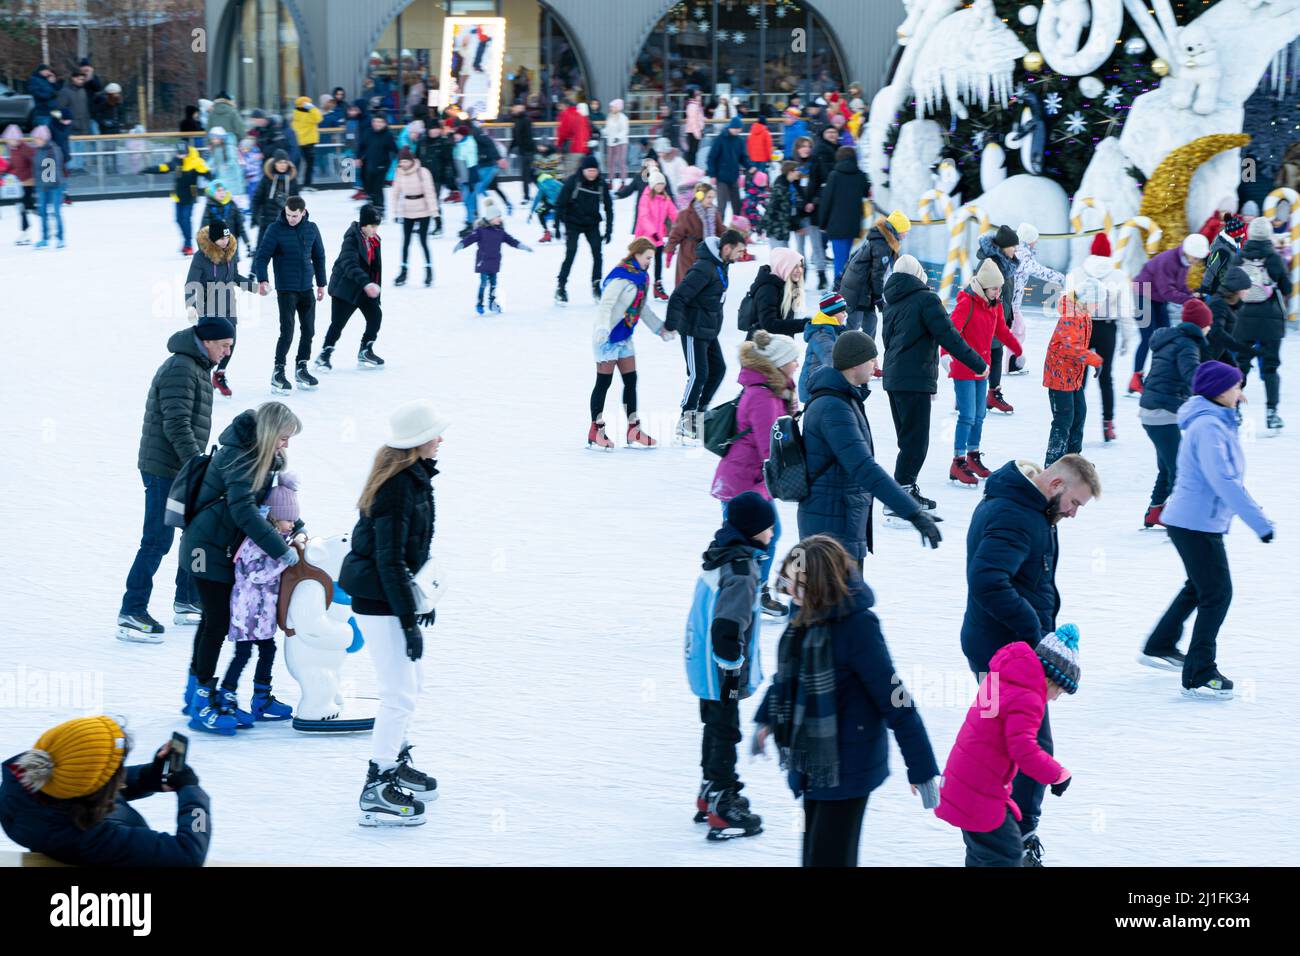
[[400, 680]]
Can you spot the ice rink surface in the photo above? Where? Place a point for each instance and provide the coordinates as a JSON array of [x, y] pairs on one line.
[[555, 712]]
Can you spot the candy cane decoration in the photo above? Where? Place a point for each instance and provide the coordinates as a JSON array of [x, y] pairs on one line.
[[1141, 226], [1076, 219], [935, 197], [1270, 207], [958, 254]]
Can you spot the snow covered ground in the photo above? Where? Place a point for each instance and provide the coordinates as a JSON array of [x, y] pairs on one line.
[[555, 712]]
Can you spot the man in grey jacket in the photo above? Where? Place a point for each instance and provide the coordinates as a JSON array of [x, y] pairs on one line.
[[177, 422]]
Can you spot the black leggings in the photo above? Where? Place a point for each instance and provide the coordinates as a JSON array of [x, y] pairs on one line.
[[304, 304], [659, 263], [421, 229], [308, 161], [692, 148], [27, 204], [831, 829], [341, 311], [243, 651], [373, 180], [571, 237], [605, 379], [214, 625], [1103, 343]]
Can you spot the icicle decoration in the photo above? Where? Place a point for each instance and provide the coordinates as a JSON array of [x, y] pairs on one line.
[[969, 56]]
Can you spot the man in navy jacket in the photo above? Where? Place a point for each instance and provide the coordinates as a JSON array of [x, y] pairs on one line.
[[1011, 594], [294, 242]]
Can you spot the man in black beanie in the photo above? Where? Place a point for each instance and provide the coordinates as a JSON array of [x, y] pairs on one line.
[[584, 196], [843, 476]]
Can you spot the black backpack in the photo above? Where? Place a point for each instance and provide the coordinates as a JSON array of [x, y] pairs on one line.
[[719, 431], [745, 317], [183, 498], [786, 469]]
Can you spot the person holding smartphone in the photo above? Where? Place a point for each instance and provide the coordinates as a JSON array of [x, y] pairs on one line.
[[69, 797]]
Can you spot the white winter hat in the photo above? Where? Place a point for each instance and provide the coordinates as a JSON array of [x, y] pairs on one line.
[[1196, 246], [205, 104], [489, 210], [112, 88], [413, 424], [777, 349], [216, 131], [1027, 232], [662, 145], [1259, 228], [655, 179]]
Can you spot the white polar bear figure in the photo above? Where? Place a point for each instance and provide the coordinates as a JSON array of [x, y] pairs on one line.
[[322, 637], [1196, 85]]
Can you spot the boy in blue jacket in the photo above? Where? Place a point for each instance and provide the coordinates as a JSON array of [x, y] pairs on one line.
[[722, 658]]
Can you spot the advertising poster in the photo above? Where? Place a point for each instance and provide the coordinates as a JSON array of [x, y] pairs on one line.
[[473, 50]]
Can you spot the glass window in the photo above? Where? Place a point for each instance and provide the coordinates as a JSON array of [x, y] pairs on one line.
[[266, 57]]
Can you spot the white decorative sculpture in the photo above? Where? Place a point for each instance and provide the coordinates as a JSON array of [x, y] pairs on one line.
[[1061, 25], [970, 55], [315, 652], [918, 148], [1196, 84], [993, 167]]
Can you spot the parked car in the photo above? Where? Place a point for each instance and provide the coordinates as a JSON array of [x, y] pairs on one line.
[[16, 108]]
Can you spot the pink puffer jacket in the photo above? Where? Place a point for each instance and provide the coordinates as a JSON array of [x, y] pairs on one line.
[[414, 196], [1000, 735], [741, 469], [656, 213]]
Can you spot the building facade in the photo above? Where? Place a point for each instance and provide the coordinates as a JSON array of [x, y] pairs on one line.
[[267, 52]]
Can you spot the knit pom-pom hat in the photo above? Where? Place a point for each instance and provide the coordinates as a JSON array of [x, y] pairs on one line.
[[74, 759], [1059, 654]]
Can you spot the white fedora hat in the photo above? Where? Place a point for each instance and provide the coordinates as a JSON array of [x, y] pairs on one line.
[[413, 424]]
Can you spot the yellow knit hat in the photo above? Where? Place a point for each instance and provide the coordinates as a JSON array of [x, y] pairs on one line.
[[75, 758], [899, 221]]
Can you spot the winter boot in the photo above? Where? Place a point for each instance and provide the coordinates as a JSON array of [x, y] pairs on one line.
[[304, 378], [660, 294], [1033, 851], [561, 297], [1162, 660], [1214, 687], [264, 705], [821, 280], [771, 606], [975, 464], [220, 384], [230, 705], [961, 473], [279, 384], [636, 438], [1135, 385], [597, 439], [702, 802], [1152, 517], [384, 804], [401, 276], [139, 629], [1274, 420], [1107, 431], [546, 237], [323, 360], [191, 683], [423, 787], [208, 714], [428, 276], [996, 403], [366, 357], [185, 613], [595, 290], [730, 816], [359, 195]]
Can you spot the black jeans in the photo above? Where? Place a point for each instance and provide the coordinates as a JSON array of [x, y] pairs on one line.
[[1103, 343], [373, 183], [308, 161], [728, 194], [1270, 360], [1069, 411], [571, 237], [1208, 592], [831, 830], [213, 627], [718, 748], [526, 171], [1028, 792], [1166, 438], [705, 369], [911, 412], [692, 148], [243, 651], [1001, 847], [304, 304], [420, 227], [341, 311]]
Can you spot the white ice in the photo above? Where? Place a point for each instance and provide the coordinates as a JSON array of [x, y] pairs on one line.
[[555, 713]]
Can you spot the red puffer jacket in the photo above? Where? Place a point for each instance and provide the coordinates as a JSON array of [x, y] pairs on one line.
[[979, 321]]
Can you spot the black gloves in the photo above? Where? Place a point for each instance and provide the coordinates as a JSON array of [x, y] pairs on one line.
[[426, 620], [923, 523], [150, 779], [185, 777], [609, 235], [1266, 538], [1059, 788], [730, 686], [414, 641]]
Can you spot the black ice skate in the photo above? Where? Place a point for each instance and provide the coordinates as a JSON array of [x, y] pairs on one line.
[[384, 804], [730, 817], [561, 297], [595, 290], [1274, 420], [401, 276], [1162, 660], [428, 276], [304, 378], [771, 606], [366, 358], [1033, 851], [185, 613], [688, 429], [279, 383], [423, 787], [139, 629], [1214, 687], [323, 360]]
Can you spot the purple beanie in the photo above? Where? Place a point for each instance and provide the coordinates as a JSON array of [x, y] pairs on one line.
[[1212, 379], [283, 498]]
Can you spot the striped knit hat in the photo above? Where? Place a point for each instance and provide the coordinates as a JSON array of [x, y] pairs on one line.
[[832, 302], [1059, 653]]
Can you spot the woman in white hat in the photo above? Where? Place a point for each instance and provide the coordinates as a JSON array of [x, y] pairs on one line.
[[390, 544]]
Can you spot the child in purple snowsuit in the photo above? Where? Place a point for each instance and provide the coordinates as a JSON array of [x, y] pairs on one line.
[[253, 605], [489, 235]]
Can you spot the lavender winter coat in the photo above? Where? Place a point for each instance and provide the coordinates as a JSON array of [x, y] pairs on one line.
[[256, 594], [1209, 488], [489, 238], [1167, 276]]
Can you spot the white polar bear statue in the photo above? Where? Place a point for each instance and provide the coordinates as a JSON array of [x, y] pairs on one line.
[[322, 637], [1196, 85]]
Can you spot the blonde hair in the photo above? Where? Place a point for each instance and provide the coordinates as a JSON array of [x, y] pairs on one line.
[[792, 301], [274, 420], [1082, 470], [388, 462]]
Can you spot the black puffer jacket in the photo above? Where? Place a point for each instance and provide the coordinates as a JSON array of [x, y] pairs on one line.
[[863, 281], [272, 192], [580, 202], [914, 325], [391, 544], [298, 252], [695, 307], [1176, 354], [178, 411], [352, 271], [1264, 321], [839, 209], [228, 505], [768, 292]]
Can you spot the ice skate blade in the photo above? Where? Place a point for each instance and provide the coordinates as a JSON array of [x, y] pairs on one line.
[[186, 620], [426, 796], [1159, 663], [307, 388], [1206, 693], [717, 835], [592, 446], [961, 484], [372, 818], [368, 367], [280, 391], [131, 636], [637, 446]]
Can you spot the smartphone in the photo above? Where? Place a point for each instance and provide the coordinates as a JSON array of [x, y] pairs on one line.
[[176, 756]]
